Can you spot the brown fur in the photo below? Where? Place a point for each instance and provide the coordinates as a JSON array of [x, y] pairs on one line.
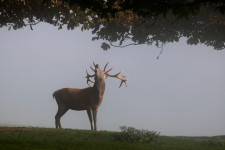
[[78, 99]]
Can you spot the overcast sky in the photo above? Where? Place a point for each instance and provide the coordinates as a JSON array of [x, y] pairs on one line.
[[181, 93]]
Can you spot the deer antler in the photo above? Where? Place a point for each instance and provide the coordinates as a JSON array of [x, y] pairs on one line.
[[88, 75], [105, 68], [88, 78], [92, 68], [94, 64], [123, 80]]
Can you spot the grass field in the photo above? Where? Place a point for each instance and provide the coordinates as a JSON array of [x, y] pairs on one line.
[[33, 138]]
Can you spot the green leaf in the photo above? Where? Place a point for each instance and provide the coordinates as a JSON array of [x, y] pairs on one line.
[[105, 46]]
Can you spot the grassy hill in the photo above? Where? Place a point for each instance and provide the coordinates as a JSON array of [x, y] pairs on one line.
[[32, 138]]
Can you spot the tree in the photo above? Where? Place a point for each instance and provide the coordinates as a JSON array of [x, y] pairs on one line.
[[123, 23]]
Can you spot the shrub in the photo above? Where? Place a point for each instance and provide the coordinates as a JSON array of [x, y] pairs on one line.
[[130, 134]]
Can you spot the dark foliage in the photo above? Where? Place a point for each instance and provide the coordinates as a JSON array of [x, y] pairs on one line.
[[130, 134], [123, 23]]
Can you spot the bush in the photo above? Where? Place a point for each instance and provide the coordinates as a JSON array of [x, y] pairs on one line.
[[130, 134]]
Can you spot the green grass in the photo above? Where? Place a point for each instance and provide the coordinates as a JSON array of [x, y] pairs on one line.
[[31, 138]]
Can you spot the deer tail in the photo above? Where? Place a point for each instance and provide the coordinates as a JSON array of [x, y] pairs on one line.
[[53, 95]]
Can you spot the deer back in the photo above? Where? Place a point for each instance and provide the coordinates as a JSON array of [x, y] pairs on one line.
[[78, 99]]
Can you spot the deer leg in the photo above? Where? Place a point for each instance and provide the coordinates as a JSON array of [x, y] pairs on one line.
[[58, 115], [90, 117], [94, 111], [57, 120]]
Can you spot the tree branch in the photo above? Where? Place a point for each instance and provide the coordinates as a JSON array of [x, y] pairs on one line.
[[123, 45], [161, 50]]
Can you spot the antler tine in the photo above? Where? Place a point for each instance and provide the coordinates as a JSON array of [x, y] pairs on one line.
[[88, 75], [88, 78], [90, 81], [123, 80], [92, 68], [94, 64], [109, 70], [116, 75], [106, 66]]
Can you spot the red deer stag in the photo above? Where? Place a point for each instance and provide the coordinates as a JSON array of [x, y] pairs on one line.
[[84, 99]]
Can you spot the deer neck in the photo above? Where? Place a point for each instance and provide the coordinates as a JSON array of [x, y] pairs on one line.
[[100, 86]]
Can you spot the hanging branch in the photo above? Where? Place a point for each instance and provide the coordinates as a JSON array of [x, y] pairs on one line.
[[161, 50], [123, 45]]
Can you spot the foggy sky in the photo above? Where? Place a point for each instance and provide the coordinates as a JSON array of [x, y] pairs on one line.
[[181, 93]]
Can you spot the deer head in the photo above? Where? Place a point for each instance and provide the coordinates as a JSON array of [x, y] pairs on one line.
[[103, 74]]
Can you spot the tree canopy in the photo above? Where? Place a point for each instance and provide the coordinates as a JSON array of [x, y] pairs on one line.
[[122, 23]]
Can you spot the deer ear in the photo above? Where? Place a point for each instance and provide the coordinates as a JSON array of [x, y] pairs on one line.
[[97, 66]]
